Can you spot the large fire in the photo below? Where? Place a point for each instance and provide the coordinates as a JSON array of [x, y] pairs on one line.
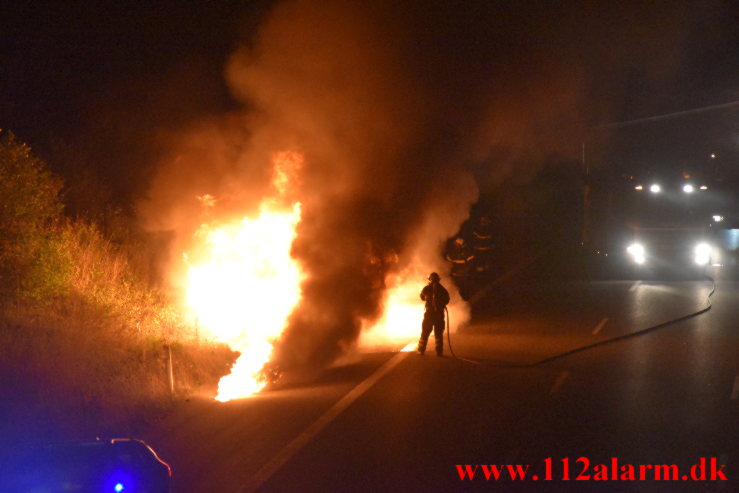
[[245, 289], [243, 284]]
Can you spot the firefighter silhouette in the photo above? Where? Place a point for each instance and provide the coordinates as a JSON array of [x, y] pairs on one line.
[[436, 297]]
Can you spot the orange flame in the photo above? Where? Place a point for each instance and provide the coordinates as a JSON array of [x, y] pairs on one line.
[[403, 312], [244, 284], [287, 167]]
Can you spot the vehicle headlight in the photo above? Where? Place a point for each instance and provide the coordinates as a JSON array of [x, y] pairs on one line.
[[688, 188], [703, 253], [655, 188], [637, 252]]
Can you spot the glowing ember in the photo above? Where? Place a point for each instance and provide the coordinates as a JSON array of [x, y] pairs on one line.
[[242, 285]]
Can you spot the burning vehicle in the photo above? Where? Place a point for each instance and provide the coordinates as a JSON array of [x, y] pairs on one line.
[[244, 285]]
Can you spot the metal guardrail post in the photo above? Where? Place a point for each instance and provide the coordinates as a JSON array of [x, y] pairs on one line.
[[170, 370]]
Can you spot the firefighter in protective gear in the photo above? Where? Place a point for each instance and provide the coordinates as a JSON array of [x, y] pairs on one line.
[[460, 255], [436, 297], [462, 259], [482, 245]]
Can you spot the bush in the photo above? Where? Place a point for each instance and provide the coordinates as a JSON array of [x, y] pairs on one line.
[[29, 208], [45, 257], [81, 334]]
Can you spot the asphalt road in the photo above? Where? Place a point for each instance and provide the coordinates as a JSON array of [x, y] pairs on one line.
[[403, 422]]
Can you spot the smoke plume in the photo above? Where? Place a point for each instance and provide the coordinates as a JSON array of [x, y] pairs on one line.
[[392, 104]]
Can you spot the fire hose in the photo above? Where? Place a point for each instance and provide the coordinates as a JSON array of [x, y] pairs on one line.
[[449, 341], [587, 346]]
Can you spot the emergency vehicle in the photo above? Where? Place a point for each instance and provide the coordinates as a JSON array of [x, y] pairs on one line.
[[663, 225]]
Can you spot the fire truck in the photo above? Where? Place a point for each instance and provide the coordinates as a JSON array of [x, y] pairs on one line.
[[655, 225]]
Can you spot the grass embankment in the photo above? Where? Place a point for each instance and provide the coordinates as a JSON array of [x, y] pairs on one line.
[[84, 340]]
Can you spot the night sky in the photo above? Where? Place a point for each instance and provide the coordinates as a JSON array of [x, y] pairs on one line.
[[102, 80], [63, 62], [108, 77]]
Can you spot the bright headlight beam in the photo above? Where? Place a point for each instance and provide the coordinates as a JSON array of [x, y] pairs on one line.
[[655, 188], [688, 188], [637, 252], [703, 253], [635, 249]]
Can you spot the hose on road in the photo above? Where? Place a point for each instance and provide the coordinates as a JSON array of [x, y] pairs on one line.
[[586, 347], [449, 341]]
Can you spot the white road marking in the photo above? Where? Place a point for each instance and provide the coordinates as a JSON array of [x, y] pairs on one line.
[[289, 450], [600, 325], [558, 383], [635, 286], [735, 390]]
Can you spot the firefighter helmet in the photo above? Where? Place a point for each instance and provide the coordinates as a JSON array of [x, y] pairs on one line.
[[434, 277]]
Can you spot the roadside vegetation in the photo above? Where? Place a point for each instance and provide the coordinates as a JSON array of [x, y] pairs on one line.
[[85, 331]]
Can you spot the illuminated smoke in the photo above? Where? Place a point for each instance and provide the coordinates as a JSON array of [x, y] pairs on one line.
[[394, 107]]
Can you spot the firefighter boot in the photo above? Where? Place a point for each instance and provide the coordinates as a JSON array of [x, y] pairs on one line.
[[422, 346]]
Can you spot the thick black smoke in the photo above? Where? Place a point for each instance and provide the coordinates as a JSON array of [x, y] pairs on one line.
[[393, 104]]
